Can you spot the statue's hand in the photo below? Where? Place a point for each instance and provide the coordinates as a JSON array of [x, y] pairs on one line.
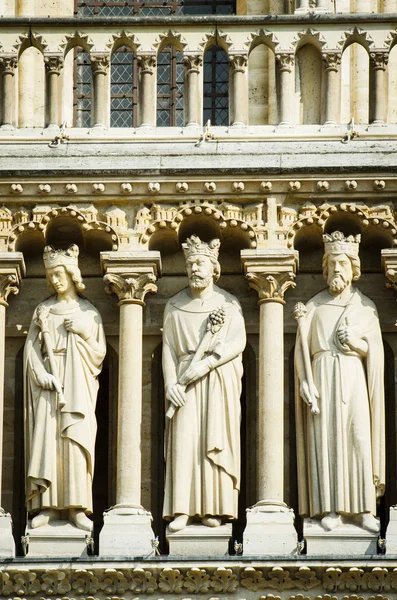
[[175, 394], [347, 338], [310, 395], [196, 371], [47, 381], [77, 326]]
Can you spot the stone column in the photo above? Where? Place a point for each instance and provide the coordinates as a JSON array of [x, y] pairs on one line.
[[147, 89], [270, 523], [193, 64], [285, 62], [332, 62], [8, 66], [239, 89], [12, 269], [302, 6], [53, 66], [127, 529], [377, 109], [100, 68]]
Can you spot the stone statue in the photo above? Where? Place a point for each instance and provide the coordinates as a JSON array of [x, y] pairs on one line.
[[340, 396], [203, 340], [63, 356]]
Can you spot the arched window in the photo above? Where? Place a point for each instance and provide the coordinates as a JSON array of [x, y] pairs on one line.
[[170, 75], [123, 101], [82, 89], [216, 86], [308, 82]]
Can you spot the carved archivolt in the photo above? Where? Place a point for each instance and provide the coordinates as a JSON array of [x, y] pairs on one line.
[[262, 36], [309, 34], [294, 583], [356, 34], [78, 38], [170, 37]]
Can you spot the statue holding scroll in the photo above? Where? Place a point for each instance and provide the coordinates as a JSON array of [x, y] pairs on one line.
[[63, 357], [203, 340], [340, 396]]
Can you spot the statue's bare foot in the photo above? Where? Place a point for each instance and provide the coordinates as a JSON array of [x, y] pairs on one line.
[[179, 523], [80, 519], [210, 521], [331, 521], [44, 517], [369, 522]]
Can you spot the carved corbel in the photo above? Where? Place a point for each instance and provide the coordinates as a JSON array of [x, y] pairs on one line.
[[389, 264], [12, 269]]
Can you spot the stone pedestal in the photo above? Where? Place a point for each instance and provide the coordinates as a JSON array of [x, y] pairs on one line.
[[199, 540], [58, 538], [7, 544], [346, 540], [126, 534], [270, 530], [391, 532]]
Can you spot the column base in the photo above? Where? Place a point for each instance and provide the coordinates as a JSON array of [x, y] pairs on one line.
[[347, 539], [127, 531], [57, 539], [199, 540], [7, 544], [391, 532], [270, 530], [7, 127]]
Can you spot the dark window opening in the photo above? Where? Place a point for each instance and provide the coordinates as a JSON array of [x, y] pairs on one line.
[[170, 77], [154, 8], [123, 92], [216, 86], [82, 91]]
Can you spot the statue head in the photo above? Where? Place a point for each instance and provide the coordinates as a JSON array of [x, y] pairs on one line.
[[202, 265], [57, 262], [341, 263]]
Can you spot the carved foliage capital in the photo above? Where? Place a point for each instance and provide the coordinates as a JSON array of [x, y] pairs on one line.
[[8, 64], [8, 285], [193, 62], [130, 289], [285, 61], [238, 62], [147, 63], [271, 286], [100, 63], [53, 63], [332, 60], [379, 60]]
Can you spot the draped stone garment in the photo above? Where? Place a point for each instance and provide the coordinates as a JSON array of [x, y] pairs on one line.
[[341, 451], [202, 448], [60, 441]]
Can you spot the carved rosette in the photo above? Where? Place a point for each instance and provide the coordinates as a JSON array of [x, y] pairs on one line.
[[271, 287], [285, 61], [53, 64], [130, 289], [100, 63], [146, 63], [332, 60], [193, 63], [238, 62], [379, 60], [8, 64], [8, 285]]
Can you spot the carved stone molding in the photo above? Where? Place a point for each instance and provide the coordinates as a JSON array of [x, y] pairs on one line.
[[285, 61], [270, 273], [53, 63], [131, 275], [130, 289], [332, 60]]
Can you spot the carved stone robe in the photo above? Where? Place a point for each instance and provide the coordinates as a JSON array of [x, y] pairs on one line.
[[60, 441], [202, 448], [341, 451]]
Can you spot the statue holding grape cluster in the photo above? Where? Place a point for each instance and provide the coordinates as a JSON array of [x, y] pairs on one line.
[[204, 337]]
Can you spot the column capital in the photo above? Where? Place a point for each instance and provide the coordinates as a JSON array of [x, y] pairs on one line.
[[332, 60], [389, 264], [270, 272], [12, 269], [53, 63], [193, 62], [285, 61], [8, 63], [147, 62], [131, 275], [100, 63], [238, 62], [379, 60]]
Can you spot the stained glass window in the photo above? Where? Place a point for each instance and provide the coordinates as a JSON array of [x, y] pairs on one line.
[[170, 76], [123, 88]]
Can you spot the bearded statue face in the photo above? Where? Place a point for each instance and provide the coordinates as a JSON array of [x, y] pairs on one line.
[[340, 273], [200, 271]]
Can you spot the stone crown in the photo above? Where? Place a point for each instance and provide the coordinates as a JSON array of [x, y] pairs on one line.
[[54, 258], [193, 245], [337, 243]]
